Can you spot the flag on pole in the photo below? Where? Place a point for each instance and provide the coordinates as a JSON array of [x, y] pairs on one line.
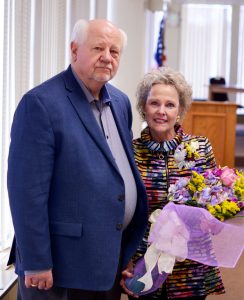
[[160, 56]]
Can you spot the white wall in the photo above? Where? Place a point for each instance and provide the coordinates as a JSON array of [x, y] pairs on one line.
[[130, 15]]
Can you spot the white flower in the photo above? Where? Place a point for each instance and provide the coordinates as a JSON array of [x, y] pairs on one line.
[[189, 164], [180, 155], [194, 145]]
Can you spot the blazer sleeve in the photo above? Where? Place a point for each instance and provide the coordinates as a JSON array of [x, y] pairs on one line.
[[30, 165]]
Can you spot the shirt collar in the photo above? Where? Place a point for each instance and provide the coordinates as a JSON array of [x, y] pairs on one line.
[[104, 94], [164, 146]]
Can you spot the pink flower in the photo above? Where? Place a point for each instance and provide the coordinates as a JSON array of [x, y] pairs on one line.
[[228, 176]]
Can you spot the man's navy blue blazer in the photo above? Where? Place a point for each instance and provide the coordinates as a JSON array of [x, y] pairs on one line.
[[65, 191]]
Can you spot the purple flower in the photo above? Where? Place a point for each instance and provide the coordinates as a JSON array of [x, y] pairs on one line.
[[216, 189], [182, 182], [205, 193], [217, 172], [214, 200]]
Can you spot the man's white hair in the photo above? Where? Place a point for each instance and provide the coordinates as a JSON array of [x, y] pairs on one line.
[[79, 33]]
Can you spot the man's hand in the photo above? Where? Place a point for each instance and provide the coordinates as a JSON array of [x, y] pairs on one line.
[[42, 281]]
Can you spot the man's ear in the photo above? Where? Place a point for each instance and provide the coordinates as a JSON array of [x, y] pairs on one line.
[[73, 48]]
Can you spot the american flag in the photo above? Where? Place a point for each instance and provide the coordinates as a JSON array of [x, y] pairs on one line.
[[160, 55]]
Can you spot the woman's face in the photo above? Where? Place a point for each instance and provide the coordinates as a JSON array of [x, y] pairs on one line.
[[161, 111]]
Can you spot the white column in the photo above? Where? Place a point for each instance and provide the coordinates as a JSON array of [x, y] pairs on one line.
[[131, 17], [234, 43], [101, 11], [79, 10], [234, 47]]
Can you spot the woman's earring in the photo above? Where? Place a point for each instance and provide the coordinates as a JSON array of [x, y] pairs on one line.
[[178, 119]]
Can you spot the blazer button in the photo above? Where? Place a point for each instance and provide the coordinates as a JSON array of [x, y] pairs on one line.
[[119, 226], [121, 198]]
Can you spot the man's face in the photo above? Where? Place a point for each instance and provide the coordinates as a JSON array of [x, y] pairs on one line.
[[97, 59]]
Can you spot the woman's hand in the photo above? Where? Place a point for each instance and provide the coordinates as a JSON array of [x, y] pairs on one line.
[[128, 273]]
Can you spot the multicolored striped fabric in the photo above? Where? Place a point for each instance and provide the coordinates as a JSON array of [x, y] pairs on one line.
[[158, 169]]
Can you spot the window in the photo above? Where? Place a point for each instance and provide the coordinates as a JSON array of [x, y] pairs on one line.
[[152, 34], [33, 40], [205, 45], [7, 96], [240, 70]]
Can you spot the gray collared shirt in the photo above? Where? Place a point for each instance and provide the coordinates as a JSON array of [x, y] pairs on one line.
[[103, 114]]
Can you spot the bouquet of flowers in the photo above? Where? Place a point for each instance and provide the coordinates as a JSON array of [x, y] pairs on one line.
[[219, 190], [194, 230]]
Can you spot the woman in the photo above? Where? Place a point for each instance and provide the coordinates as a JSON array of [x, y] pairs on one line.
[[163, 99]]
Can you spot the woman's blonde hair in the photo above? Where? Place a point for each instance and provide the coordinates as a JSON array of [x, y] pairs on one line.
[[167, 76]]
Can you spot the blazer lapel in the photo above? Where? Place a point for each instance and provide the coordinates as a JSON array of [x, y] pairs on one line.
[[83, 109]]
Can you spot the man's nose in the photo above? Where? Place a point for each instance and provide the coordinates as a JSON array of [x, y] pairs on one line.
[[106, 55]]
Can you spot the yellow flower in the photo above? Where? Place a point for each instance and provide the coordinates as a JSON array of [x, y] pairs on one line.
[[218, 208], [239, 186], [196, 154], [191, 149], [211, 209], [196, 183], [224, 210]]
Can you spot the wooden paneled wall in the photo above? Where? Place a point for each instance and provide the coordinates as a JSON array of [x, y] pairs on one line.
[[217, 121]]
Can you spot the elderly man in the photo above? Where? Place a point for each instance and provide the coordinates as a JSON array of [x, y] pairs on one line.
[[78, 204]]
